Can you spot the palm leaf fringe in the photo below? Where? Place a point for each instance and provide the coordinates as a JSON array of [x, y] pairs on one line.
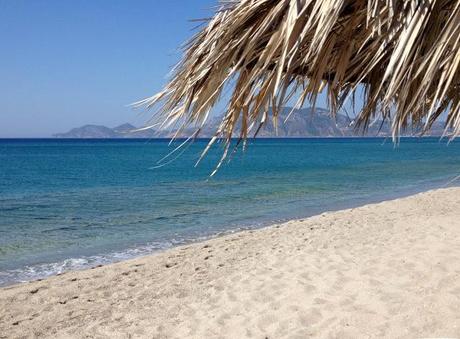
[[405, 54]]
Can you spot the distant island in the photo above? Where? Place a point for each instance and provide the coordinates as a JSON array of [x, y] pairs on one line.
[[301, 123]]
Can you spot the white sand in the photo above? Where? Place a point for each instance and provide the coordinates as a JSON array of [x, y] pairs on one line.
[[384, 270]]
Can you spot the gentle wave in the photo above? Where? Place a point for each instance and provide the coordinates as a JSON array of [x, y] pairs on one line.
[[41, 271], [44, 270]]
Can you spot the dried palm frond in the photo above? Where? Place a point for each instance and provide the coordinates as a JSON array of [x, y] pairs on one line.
[[405, 53]]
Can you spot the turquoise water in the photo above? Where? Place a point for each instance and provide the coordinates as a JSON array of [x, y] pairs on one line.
[[71, 204]]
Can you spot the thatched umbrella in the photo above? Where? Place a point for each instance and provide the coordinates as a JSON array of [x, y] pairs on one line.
[[266, 52]]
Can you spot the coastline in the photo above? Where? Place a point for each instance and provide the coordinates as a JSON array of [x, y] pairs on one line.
[[107, 204], [47, 269], [388, 269]]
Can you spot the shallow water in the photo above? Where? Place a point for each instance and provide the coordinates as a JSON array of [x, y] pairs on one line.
[[71, 204]]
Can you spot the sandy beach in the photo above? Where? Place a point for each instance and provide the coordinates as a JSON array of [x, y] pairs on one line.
[[390, 269]]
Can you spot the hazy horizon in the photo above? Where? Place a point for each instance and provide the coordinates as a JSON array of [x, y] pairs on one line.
[[67, 66], [64, 66]]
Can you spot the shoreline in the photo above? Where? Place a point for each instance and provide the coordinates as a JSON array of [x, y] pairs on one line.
[[388, 269], [46, 270]]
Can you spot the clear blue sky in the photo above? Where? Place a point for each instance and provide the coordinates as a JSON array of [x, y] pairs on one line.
[[66, 63]]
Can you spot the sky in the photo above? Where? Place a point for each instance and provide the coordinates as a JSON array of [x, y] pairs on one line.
[[67, 63]]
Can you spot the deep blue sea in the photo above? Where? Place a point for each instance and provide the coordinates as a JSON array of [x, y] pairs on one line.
[[72, 204]]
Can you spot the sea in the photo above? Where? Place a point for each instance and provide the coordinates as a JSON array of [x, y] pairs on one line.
[[73, 204]]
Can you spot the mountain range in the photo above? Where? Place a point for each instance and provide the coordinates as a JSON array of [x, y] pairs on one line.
[[301, 123]]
